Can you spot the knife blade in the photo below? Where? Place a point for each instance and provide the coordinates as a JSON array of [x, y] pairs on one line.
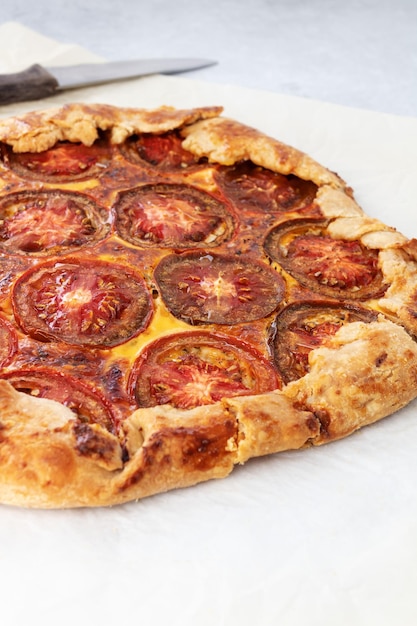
[[38, 82]]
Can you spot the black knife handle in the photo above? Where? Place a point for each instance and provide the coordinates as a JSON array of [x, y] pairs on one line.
[[31, 84]]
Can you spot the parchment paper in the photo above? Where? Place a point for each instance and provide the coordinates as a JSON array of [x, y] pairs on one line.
[[320, 537]]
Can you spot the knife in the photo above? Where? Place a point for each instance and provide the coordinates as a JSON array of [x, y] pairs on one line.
[[41, 82]]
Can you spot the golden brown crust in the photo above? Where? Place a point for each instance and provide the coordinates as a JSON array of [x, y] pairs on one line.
[[48, 458], [219, 139], [178, 449], [42, 462], [270, 423], [40, 130], [400, 300], [225, 141], [366, 372]]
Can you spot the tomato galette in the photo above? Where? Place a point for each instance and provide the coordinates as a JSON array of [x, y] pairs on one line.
[[179, 293]]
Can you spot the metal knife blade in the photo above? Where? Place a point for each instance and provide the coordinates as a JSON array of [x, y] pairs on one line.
[[41, 82]]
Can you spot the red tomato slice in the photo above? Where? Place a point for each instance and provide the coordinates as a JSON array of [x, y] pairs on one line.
[[254, 188], [174, 216], [218, 289], [164, 152], [50, 222], [195, 368], [341, 264], [87, 404], [300, 328], [8, 342], [82, 302], [64, 161], [333, 267]]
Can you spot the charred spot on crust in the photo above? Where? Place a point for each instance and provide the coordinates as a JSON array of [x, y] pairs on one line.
[[381, 359], [311, 423], [3, 436], [91, 443], [324, 418], [197, 450], [190, 450]]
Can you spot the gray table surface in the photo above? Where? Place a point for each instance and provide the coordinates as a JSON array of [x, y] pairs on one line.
[[358, 53]]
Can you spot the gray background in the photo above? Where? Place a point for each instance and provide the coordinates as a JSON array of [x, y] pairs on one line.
[[359, 53]]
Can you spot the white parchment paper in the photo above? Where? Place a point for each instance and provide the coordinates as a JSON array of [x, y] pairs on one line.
[[321, 537]]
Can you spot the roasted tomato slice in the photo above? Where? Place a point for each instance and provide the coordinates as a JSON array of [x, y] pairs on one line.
[[300, 328], [174, 216], [255, 188], [88, 404], [164, 152], [195, 368], [82, 302], [217, 289], [50, 222], [63, 162], [8, 342], [333, 267]]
